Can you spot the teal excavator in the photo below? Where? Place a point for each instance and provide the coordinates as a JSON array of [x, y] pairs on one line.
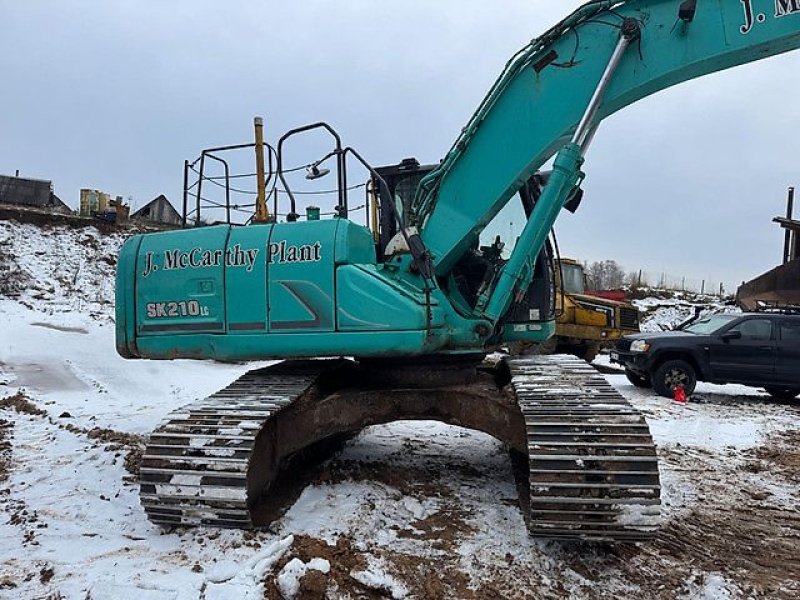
[[393, 319]]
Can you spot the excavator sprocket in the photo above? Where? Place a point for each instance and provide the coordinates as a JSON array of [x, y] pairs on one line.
[[591, 471]]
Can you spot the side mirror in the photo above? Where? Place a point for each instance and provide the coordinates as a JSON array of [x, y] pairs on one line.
[[574, 200], [731, 335]]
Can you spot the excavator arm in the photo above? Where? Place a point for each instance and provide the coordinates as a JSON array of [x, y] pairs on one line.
[[548, 91]]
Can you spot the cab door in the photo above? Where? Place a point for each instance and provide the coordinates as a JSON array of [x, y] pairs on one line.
[[745, 352], [787, 365]]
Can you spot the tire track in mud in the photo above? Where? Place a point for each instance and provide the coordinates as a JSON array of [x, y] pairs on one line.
[[115, 441], [735, 527], [34, 578], [17, 510], [19, 514]]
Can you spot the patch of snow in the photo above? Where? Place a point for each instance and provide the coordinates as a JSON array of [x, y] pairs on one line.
[[646, 515], [83, 375], [245, 582], [375, 577], [707, 432], [291, 574], [711, 586], [660, 314]]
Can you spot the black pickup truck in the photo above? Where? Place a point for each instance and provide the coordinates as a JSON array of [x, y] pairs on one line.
[[755, 349]]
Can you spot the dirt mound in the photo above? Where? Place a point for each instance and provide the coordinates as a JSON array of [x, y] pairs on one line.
[[343, 559], [446, 528], [55, 268], [114, 437], [422, 577], [6, 428], [22, 404], [116, 441]]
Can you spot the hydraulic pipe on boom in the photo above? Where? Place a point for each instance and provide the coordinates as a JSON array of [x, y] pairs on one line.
[[516, 274]]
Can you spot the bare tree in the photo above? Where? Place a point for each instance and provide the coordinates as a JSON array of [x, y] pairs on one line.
[[597, 275], [606, 275], [615, 275]]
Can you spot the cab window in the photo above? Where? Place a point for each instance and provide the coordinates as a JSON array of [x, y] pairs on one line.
[[754, 329], [573, 279], [790, 332]]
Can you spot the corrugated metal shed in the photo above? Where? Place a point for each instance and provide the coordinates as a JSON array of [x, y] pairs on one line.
[[158, 210], [26, 192], [23, 191]]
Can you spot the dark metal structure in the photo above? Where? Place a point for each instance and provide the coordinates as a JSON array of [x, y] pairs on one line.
[[158, 210], [780, 286], [22, 191]]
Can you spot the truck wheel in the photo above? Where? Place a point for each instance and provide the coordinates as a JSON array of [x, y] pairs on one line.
[[587, 353], [638, 380], [782, 393], [671, 374], [591, 352]]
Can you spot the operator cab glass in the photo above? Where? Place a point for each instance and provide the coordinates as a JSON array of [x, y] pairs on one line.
[[572, 278], [402, 180], [405, 186]]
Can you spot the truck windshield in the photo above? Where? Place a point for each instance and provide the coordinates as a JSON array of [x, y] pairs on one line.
[[709, 324], [572, 276]]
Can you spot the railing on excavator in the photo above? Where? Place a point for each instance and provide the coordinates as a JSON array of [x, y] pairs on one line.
[[272, 182], [233, 199]]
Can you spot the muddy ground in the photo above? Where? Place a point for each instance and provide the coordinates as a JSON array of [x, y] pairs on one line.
[[723, 523], [423, 510]]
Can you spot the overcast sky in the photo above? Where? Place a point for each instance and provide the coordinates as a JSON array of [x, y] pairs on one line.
[[114, 95]]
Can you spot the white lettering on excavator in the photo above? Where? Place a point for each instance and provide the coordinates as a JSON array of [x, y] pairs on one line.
[[783, 8], [161, 310], [786, 7], [198, 258], [281, 252]]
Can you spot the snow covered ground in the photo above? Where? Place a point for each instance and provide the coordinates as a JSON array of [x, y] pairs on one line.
[[405, 510], [660, 314]]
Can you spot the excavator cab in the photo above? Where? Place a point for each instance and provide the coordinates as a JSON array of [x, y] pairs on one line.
[[478, 268]]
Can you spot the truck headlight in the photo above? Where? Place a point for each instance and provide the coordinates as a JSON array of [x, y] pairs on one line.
[[639, 346]]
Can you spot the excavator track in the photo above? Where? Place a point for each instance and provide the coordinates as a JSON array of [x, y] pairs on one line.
[[195, 467], [593, 470]]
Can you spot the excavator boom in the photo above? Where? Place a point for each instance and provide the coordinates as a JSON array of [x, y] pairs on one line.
[[538, 101]]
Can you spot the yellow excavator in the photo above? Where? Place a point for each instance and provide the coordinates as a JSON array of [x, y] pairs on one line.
[[585, 322]]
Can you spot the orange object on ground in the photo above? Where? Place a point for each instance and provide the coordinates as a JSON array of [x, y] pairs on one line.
[[679, 395]]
